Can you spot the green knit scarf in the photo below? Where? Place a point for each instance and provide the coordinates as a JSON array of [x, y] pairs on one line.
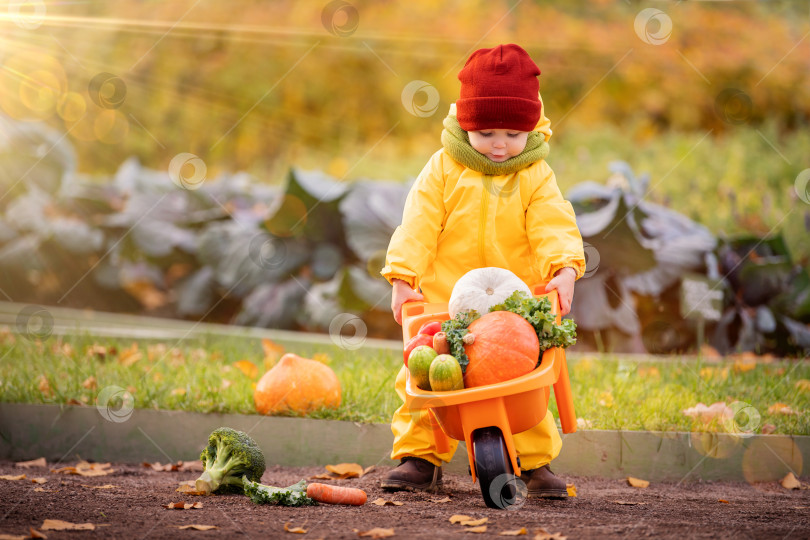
[[456, 142]]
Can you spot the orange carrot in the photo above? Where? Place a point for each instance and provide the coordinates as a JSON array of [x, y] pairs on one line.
[[336, 494]]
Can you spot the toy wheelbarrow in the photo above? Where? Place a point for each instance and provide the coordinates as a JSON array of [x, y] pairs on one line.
[[486, 417]]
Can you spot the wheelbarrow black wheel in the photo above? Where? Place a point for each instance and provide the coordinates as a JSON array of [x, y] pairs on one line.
[[493, 468]]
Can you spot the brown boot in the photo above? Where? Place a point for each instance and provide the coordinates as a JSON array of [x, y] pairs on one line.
[[413, 474], [542, 483]]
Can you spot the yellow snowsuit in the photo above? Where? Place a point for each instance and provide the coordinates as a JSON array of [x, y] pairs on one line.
[[457, 219]]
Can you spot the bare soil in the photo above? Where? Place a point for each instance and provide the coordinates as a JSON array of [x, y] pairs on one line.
[[135, 509]]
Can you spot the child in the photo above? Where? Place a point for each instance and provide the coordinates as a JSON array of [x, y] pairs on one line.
[[488, 198]]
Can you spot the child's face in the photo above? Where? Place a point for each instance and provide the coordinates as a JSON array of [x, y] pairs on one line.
[[499, 144]]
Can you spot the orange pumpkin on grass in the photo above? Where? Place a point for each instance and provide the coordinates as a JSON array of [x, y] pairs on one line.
[[501, 345], [297, 385]]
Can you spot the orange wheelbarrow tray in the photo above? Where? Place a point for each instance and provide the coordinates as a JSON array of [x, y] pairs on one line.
[[510, 406]]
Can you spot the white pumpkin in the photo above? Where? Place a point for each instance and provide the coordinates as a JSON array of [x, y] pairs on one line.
[[482, 288]]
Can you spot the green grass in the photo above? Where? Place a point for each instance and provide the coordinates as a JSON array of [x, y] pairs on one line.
[[610, 392]]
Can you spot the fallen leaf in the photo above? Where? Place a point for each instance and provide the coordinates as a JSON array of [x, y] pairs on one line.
[[790, 482], [59, 525], [199, 527], [474, 522], [323, 476], [35, 533], [377, 532], [648, 371], [40, 462], [606, 400], [12, 478], [803, 385], [723, 501], [367, 470], [458, 518], [637, 482], [767, 429], [299, 530], [86, 469], [780, 408], [73, 401], [440, 501], [383, 502], [718, 410], [105, 486], [192, 466], [346, 470], [179, 392], [90, 383], [44, 386], [39, 480], [745, 362], [156, 466], [189, 487], [13, 537], [183, 506], [130, 356], [627, 503], [481, 529], [542, 534], [248, 368], [272, 352], [515, 532], [571, 489], [323, 358], [43, 490]]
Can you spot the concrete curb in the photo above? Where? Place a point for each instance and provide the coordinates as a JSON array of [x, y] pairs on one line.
[[60, 433]]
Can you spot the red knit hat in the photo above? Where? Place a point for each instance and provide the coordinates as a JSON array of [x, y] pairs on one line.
[[499, 90]]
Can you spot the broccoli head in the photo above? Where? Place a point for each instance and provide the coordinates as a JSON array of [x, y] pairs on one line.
[[229, 456]]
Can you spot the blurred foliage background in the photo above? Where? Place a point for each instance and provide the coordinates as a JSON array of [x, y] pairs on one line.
[[715, 108]]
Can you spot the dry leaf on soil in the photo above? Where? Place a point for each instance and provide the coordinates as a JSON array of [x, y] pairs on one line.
[[12, 478], [515, 532], [458, 518], [383, 502], [481, 529], [571, 489], [156, 466], [192, 466], [542, 534], [723, 501], [189, 487], [298, 530], [105, 486], [35, 533], [637, 482], [33, 463], [43, 490], [628, 503], [199, 527], [39, 480], [376, 532], [59, 525], [183, 506], [440, 501], [474, 522], [13, 537], [346, 470], [84, 468], [790, 482]]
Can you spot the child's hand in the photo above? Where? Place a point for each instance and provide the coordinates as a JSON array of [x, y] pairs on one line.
[[563, 281], [402, 293]]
